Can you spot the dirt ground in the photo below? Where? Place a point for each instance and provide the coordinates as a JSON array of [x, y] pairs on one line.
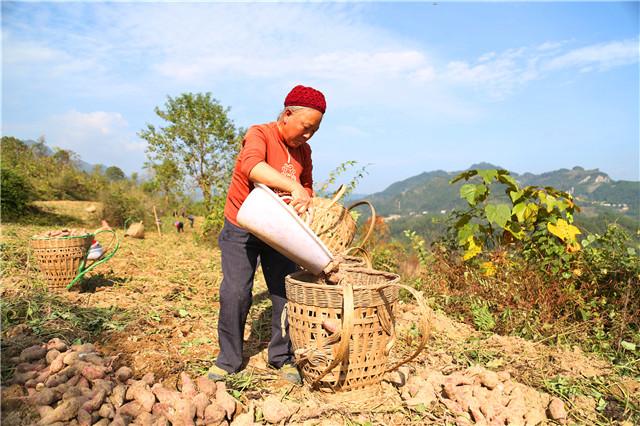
[[161, 294]]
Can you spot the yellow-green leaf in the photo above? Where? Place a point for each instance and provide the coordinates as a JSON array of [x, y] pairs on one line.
[[563, 230], [472, 249]]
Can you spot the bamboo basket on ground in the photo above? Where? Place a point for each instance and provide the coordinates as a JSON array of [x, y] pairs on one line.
[[63, 260], [333, 223], [60, 259], [356, 354]]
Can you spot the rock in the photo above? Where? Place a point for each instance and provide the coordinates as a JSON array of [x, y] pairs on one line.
[[557, 411]]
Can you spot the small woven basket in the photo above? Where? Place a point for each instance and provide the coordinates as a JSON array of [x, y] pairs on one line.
[[60, 259], [355, 356], [333, 223]]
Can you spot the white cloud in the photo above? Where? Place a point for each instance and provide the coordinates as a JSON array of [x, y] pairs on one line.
[[601, 56]]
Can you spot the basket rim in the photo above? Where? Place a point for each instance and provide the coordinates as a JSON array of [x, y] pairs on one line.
[[294, 276], [69, 237]]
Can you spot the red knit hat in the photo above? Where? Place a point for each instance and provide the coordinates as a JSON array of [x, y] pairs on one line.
[[306, 97]]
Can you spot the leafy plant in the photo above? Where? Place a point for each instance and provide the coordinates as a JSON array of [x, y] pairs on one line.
[[539, 219], [322, 189], [482, 317]]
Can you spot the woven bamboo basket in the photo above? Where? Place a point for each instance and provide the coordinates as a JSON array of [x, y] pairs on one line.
[[60, 259], [333, 223], [356, 355], [63, 260]]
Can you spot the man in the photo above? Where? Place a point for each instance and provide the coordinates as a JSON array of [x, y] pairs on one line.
[[278, 155]]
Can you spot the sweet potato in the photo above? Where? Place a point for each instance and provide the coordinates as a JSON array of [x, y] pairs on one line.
[[33, 353], [185, 412], [92, 372], [92, 358], [51, 355], [102, 422], [107, 385], [83, 383], [274, 411], [188, 388], [120, 420], [107, 411], [123, 374], [84, 418], [117, 396], [22, 378], [144, 419], [140, 392], [46, 396], [56, 344], [60, 377], [97, 398], [164, 395], [206, 385], [132, 409], [200, 401], [330, 326], [71, 357], [83, 348], [25, 367], [245, 419], [160, 421], [214, 414], [57, 364], [72, 392], [63, 412], [149, 379], [225, 400], [489, 379], [44, 410]]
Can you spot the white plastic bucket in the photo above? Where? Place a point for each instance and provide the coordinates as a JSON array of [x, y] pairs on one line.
[[267, 217]]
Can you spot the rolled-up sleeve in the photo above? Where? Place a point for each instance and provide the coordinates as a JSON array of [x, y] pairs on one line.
[[254, 150]]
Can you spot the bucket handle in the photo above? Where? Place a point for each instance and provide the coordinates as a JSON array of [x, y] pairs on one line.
[[83, 269]]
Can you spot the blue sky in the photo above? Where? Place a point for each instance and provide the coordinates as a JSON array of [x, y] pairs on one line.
[[411, 87]]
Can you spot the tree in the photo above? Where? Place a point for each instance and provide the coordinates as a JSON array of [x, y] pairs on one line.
[[114, 173], [199, 137], [167, 178]]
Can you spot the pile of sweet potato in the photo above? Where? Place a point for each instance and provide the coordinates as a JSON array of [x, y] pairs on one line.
[[65, 232], [75, 385], [480, 396]]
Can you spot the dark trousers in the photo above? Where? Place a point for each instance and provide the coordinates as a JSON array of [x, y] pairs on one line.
[[240, 252]]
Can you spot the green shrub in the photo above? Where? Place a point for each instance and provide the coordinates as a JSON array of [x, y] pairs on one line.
[[16, 193], [119, 205]]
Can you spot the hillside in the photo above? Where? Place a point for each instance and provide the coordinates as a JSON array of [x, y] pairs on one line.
[[431, 193]]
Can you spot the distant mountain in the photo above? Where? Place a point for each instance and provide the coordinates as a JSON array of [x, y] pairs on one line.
[[82, 165], [431, 193]]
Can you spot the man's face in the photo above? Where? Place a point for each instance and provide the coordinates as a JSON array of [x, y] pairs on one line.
[[298, 126]]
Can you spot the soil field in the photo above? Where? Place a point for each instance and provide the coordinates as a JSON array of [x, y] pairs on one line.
[[153, 307]]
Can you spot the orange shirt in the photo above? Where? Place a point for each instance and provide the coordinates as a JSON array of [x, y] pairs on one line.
[[263, 142]]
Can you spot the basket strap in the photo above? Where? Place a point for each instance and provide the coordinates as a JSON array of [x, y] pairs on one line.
[[365, 255], [425, 324], [342, 351], [82, 270], [373, 219]]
